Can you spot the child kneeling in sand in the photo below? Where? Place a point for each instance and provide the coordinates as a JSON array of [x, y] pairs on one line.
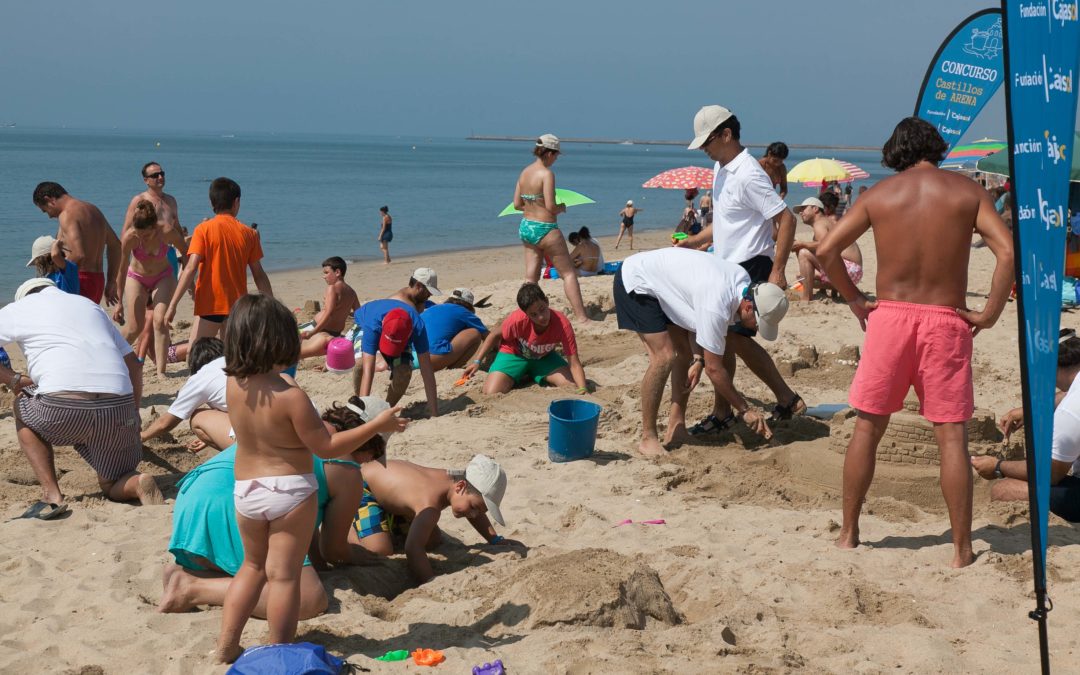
[[527, 343], [418, 495], [339, 303], [277, 431]]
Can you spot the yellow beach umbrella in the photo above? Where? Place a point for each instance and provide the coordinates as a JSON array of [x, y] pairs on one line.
[[816, 170]]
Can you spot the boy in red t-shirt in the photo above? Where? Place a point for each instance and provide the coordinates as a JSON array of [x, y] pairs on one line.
[[527, 343]]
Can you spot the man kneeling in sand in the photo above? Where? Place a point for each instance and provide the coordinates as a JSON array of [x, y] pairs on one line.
[[919, 331], [418, 495], [814, 212], [665, 295], [339, 302], [205, 387], [82, 389]]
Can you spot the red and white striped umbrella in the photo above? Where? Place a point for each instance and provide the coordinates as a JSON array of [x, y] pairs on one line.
[[684, 178], [854, 173]]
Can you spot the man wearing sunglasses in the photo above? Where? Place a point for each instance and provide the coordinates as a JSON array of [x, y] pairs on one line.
[[667, 294], [165, 204], [745, 210]]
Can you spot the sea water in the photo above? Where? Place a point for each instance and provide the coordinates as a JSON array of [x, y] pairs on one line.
[[314, 196]]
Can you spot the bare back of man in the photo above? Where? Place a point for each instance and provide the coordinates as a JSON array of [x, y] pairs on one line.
[[920, 335], [85, 233]]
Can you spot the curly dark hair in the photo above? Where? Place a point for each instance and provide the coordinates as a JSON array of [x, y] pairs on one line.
[[777, 149], [528, 294], [830, 201], [1068, 349], [342, 418], [913, 140]]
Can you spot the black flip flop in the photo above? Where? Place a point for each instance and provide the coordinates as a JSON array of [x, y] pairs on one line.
[[45, 511]]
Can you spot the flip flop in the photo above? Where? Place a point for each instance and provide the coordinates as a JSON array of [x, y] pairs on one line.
[[711, 424], [45, 511]]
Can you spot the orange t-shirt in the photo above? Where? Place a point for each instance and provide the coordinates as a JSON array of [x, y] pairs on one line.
[[227, 247]]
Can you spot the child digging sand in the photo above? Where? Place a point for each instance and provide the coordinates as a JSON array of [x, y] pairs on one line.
[[277, 430], [419, 494], [339, 303]]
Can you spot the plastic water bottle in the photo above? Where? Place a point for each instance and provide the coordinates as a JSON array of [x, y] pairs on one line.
[[4, 360]]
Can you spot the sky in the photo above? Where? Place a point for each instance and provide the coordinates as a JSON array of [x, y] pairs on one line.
[[841, 72]]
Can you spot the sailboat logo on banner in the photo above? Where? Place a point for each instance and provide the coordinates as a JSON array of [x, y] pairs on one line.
[[986, 44]]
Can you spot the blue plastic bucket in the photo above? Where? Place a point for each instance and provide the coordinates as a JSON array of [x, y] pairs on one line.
[[572, 429]]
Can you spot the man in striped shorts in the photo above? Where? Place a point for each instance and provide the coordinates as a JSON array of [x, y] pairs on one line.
[[82, 389]]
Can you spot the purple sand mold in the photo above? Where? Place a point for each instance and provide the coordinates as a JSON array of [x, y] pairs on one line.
[[495, 668]]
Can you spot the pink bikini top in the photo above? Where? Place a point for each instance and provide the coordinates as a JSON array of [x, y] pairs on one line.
[[141, 255]]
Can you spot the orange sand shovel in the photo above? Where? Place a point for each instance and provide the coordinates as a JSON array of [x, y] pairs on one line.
[[464, 380], [427, 657]]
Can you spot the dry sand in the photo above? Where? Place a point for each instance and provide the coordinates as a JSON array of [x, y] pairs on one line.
[[742, 578]]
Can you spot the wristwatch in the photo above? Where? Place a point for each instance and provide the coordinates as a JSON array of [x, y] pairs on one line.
[[997, 469]]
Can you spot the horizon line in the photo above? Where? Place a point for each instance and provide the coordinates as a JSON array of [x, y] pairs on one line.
[[638, 141]]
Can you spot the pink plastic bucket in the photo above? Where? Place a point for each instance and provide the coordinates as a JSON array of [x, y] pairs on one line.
[[340, 357]]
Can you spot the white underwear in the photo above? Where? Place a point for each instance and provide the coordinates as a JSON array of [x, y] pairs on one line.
[[272, 497]]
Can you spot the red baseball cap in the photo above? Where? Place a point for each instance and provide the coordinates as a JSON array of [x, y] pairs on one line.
[[396, 331]]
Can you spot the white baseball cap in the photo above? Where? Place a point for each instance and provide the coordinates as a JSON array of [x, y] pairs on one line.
[[809, 201], [369, 409], [629, 202], [32, 285], [549, 141], [464, 294], [42, 245], [705, 122], [770, 306], [427, 277], [484, 474]]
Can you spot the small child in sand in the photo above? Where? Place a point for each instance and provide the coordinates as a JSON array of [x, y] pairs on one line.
[[339, 303], [418, 495], [277, 430], [47, 256], [527, 344]]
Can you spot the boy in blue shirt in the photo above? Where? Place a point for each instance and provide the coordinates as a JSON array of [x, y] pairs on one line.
[[390, 327], [454, 331], [47, 255]]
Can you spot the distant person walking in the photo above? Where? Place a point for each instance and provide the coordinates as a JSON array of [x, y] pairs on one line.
[[534, 196], [773, 164], [386, 233], [86, 235], [626, 224]]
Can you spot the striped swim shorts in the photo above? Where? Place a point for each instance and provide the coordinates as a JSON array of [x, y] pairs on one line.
[[104, 431]]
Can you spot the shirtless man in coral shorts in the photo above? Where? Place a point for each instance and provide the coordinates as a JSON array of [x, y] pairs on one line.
[[919, 330]]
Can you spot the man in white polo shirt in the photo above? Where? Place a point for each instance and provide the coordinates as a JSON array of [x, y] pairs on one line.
[[745, 210], [81, 388], [205, 387], [667, 294]]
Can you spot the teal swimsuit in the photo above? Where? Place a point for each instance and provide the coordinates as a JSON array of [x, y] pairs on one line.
[[532, 231]]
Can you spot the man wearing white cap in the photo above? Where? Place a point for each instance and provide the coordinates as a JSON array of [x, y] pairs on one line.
[[745, 209], [667, 294], [418, 495], [81, 389], [391, 327], [813, 212]]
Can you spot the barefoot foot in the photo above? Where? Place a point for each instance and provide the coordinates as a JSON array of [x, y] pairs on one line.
[[962, 559], [848, 539], [676, 434], [175, 597], [227, 653], [650, 447], [147, 490]]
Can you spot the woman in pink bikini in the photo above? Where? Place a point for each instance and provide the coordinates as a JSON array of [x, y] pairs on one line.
[[148, 279]]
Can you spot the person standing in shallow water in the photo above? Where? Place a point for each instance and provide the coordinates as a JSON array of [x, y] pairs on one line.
[[534, 196], [386, 232], [919, 330]]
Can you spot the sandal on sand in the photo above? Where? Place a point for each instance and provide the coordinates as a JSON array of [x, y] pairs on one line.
[[711, 424], [781, 413], [45, 511]]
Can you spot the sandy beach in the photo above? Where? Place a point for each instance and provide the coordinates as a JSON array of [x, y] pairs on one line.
[[742, 577]]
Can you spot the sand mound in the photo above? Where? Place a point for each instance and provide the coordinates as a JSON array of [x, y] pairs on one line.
[[592, 587]]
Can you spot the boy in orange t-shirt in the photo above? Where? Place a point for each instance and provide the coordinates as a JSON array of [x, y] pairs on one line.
[[221, 251]]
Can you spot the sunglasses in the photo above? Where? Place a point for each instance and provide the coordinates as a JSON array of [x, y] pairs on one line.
[[156, 174], [749, 294]]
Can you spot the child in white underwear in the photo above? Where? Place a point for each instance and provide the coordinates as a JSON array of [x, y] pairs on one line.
[[277, 430]]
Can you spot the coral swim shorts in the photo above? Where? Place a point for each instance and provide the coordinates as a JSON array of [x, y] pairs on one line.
[[928, 346]]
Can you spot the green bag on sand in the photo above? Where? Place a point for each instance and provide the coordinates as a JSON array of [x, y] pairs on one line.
[[396, 655]]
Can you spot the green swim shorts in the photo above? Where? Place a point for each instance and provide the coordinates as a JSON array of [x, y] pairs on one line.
[[532, 231], [520, 368]]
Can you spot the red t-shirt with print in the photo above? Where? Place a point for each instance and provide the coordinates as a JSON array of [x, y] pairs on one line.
[[519, 336]]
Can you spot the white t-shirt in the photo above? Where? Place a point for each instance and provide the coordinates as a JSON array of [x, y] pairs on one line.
[[69, 342], [204, 387], [1066, 445], [744, 204], [697, 291]]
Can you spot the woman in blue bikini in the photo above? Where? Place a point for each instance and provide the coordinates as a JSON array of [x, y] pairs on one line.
[[534, 195]]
